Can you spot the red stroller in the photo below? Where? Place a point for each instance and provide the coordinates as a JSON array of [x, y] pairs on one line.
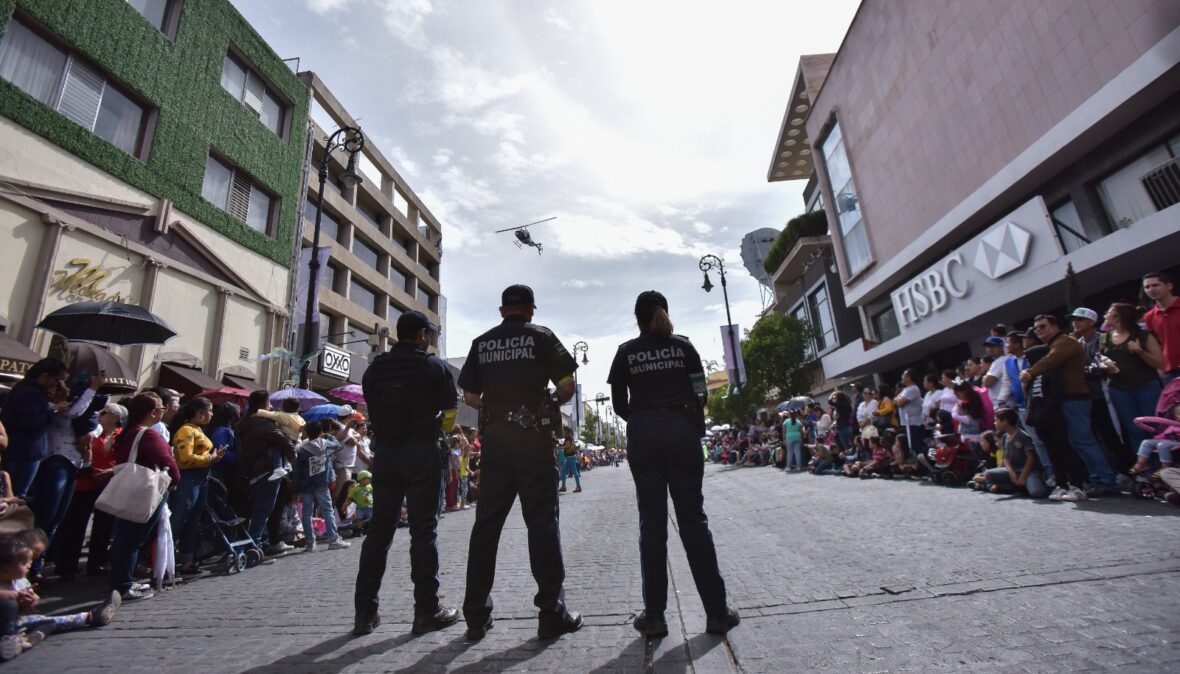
[[953, 462]]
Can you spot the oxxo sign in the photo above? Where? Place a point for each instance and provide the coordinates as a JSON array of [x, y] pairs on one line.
[[1001, 249], [335, 362]]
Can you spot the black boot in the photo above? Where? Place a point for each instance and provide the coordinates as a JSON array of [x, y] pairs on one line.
[[651, 624], [442, 618], [365, 624], [553, 624]]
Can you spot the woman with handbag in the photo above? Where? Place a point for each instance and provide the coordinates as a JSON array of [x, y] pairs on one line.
[[138, 445]]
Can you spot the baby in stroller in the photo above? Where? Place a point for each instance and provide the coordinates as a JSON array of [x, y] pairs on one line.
[[1166, 440], [954, 462]]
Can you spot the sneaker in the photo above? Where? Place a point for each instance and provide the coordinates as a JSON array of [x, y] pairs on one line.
[[105, 613], [138, 593], [11, 646], [339, 544], [1075, 494], [1058, 494], [724, 623], [310, 547], [278, 473], [278, 549], [562, 489], [651, 624], [577, 489]]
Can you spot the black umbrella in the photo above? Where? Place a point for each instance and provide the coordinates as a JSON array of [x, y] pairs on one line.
[[107, 323]]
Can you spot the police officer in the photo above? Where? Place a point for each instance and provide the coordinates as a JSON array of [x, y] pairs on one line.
[[506, 378], [411, 396], [658, 386]]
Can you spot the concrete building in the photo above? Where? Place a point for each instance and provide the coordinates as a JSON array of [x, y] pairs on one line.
[[970, 152], [153, 153], [385, 247]]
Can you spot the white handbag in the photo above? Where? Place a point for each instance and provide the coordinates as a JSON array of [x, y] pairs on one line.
[[135, 491]]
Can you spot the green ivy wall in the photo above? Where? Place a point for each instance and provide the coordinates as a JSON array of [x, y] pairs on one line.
[[180, 77]]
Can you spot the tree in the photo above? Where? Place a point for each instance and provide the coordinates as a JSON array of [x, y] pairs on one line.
[[723, 408], [777, 355], [589, 427]]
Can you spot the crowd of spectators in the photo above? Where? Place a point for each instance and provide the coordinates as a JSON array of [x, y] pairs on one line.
[[1066, 411]]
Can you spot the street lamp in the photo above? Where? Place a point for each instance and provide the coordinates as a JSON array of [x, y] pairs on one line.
[[707, 263], [352, 140], [583, 347], [598, 401]]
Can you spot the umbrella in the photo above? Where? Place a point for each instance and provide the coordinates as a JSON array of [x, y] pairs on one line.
[[227, 394], [15, 357], [121, 377], [321, 412], [307, 398], [349, 393], [796, 403], [107, 323]]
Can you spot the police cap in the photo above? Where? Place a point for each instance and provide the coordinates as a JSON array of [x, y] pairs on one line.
[[517, 295], [647, 302], [411, 322]]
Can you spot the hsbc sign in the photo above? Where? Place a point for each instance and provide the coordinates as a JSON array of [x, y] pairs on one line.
[[966, 275], [335, 362]]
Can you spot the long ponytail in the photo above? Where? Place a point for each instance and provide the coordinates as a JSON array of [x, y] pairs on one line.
[[660, 324]]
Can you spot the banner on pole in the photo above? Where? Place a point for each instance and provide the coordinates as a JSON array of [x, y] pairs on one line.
[[733, 354]]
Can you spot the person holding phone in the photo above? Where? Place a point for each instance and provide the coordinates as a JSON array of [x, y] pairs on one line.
[[195, 454]]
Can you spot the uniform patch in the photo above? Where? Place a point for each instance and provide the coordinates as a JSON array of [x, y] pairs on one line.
[[506, 349]]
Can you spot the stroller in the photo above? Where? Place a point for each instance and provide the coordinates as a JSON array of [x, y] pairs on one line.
[[224, 534], [1148, 484], [952, 460]]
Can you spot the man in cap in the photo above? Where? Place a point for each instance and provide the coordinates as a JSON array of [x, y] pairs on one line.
[[506, 377], [411, 397], [1085, 330], [997, 381]]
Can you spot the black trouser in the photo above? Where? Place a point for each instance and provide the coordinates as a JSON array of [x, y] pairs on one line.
[[515, 461], [68, 543], [410, 471], [664, 453], [1068, 468]]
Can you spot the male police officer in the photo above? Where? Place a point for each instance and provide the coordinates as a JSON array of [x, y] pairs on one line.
[[506, 377], [406, 390]]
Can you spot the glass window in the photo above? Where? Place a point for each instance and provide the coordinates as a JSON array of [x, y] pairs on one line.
[[368, 254], [821, 311], [154, 11], [272, 113], [800, 313], [884, 324], [258, 217], [328, 276], [248, 88], [119, 120], [329, 226], [1123, 196], [393, 313], [233, 77], [397, 277], [369, 215], [424, 297], [362, 295], [1069, 227], [852, 227], [31, 63], [218, 178]]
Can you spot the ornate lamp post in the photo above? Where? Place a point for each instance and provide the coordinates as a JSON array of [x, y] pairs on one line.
[[579, 347], [707, 263], [352, 140], [598, 401]]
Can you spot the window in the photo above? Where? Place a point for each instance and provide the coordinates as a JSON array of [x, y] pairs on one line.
[[1123, 195], [884, 324], [393, 313], [397, 277], [424, 298], [247, 87], [328, 276], [823, 325], [800, 313], [365, 252], [363, 296], [1069, 227], [852, 224], [160, 13], [370, 215], [234, 192], [75, 89], [329, 226]]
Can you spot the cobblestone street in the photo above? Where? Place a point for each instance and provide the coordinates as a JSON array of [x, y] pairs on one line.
[[828, 573]]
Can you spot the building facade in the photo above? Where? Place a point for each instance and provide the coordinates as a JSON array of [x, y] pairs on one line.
[[153, 154], [384, 247], [972, 153]]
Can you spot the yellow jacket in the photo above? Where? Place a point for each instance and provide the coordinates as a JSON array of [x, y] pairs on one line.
[[192, 448]]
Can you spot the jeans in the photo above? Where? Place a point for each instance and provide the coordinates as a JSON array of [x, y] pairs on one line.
[[51, 492], [187, 504], [1131, 403], [1033, 484], [321, 497], [1043, 463], [1164, 447], [68, 542], [404, 471], [662, 450], [1077, 418], [845, 433], [794, 454], [129, 537], [570, 465], [22, 473], [265, 493]]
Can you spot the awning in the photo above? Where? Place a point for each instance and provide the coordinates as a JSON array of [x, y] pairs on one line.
[[239, 376], [85, 357], [15, 357], [187, 381]]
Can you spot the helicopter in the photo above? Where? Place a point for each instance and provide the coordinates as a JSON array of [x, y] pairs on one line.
[[523, 237]]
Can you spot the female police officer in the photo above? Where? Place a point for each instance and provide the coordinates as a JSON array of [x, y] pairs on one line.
[[662, 374]]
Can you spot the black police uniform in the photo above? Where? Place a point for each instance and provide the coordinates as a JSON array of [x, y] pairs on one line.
[[511, 365], [405, 390], [664, 427]]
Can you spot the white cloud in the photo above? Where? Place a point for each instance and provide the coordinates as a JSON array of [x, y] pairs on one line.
[[322, 7], [462, 85], [701, 227], [442, 157], [405, 19], [402, 162], [614, 232], [553, 18], [515, 162], [579, 284]]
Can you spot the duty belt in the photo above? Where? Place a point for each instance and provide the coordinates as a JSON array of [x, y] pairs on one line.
[[524, 417]]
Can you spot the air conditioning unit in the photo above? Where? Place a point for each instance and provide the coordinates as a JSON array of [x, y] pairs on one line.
[[1163, 184]]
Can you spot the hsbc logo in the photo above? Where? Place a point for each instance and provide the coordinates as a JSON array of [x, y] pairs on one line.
[[1002, 249]]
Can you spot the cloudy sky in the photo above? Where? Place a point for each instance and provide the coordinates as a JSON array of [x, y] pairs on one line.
[[645, 128]]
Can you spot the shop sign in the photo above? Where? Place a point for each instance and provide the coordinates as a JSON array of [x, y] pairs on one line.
[[335, 362], [1000, 250], [87, 282], [14, 367]]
